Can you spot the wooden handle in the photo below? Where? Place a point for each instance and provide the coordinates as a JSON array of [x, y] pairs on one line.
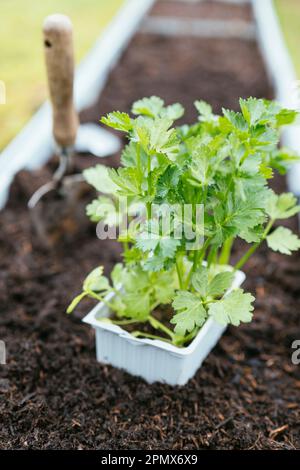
[[58, 45]]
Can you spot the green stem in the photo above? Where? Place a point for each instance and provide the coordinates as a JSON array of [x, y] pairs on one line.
[[246, 256], [149, 173], [212, 257], [159, 326], [100, 299], [138, 160], [203, 252], [246, 155], [148, 335], [229, 186], [193, 268], [125, 322], [198, 259], [148, 210], [205, 194], [179, 273], [149, 186], [189, 337], [226, 251]]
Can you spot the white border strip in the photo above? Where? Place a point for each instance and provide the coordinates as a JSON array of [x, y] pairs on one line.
[[282, 74], [32, 147]]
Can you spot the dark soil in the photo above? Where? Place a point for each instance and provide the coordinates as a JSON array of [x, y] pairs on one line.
[[219, 71], [54, 395], [206, 9]]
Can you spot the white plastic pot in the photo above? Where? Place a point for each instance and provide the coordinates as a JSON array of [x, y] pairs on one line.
[[154, 360]]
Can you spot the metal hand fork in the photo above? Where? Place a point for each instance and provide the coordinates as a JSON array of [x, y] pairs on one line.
[[58, 44]]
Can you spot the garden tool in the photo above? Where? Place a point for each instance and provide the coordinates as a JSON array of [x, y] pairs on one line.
[[57, 207]]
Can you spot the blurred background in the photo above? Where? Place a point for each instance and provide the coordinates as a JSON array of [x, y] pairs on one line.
[[21, 55], [21, 51], [289, 16]]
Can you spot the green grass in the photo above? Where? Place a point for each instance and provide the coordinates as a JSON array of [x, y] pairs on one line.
[[21, 51], [289, 16]]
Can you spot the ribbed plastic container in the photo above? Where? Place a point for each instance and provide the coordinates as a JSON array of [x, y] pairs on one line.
[[154, 360]]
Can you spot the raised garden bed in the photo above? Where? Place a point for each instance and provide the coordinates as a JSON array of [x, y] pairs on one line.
[[53, 392]]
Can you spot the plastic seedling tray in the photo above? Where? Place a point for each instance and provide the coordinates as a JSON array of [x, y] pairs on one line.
[[153, 360]]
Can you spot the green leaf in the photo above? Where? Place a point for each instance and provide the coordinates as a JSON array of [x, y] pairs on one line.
[[164, 287], [239, 216], [137, 305], [282, 207], [95, 281], [282, 159], [153, 239], [234, 308], [283, 240], [253, 110], [167, 184], [163, 248], [151, 107], [286, 116], [244, 215], [128, 157], [168, 247], [220, 284], [252, 235], [154, 263], [266, 171], [200, 281], [146, 242], [154, 107], [202, 167], [132, 256], [135, 279], [251, 165], [127, 179], [205, 111], [98, 177], [118, 120], [102, 209], [163, 139], [174, 111], [237, 120], [142, 128], [214, 287], [156, 136], [191, 312], [263, 112], [117, 274]]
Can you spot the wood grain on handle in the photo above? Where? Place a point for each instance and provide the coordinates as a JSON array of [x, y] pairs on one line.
[[58, 45]]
